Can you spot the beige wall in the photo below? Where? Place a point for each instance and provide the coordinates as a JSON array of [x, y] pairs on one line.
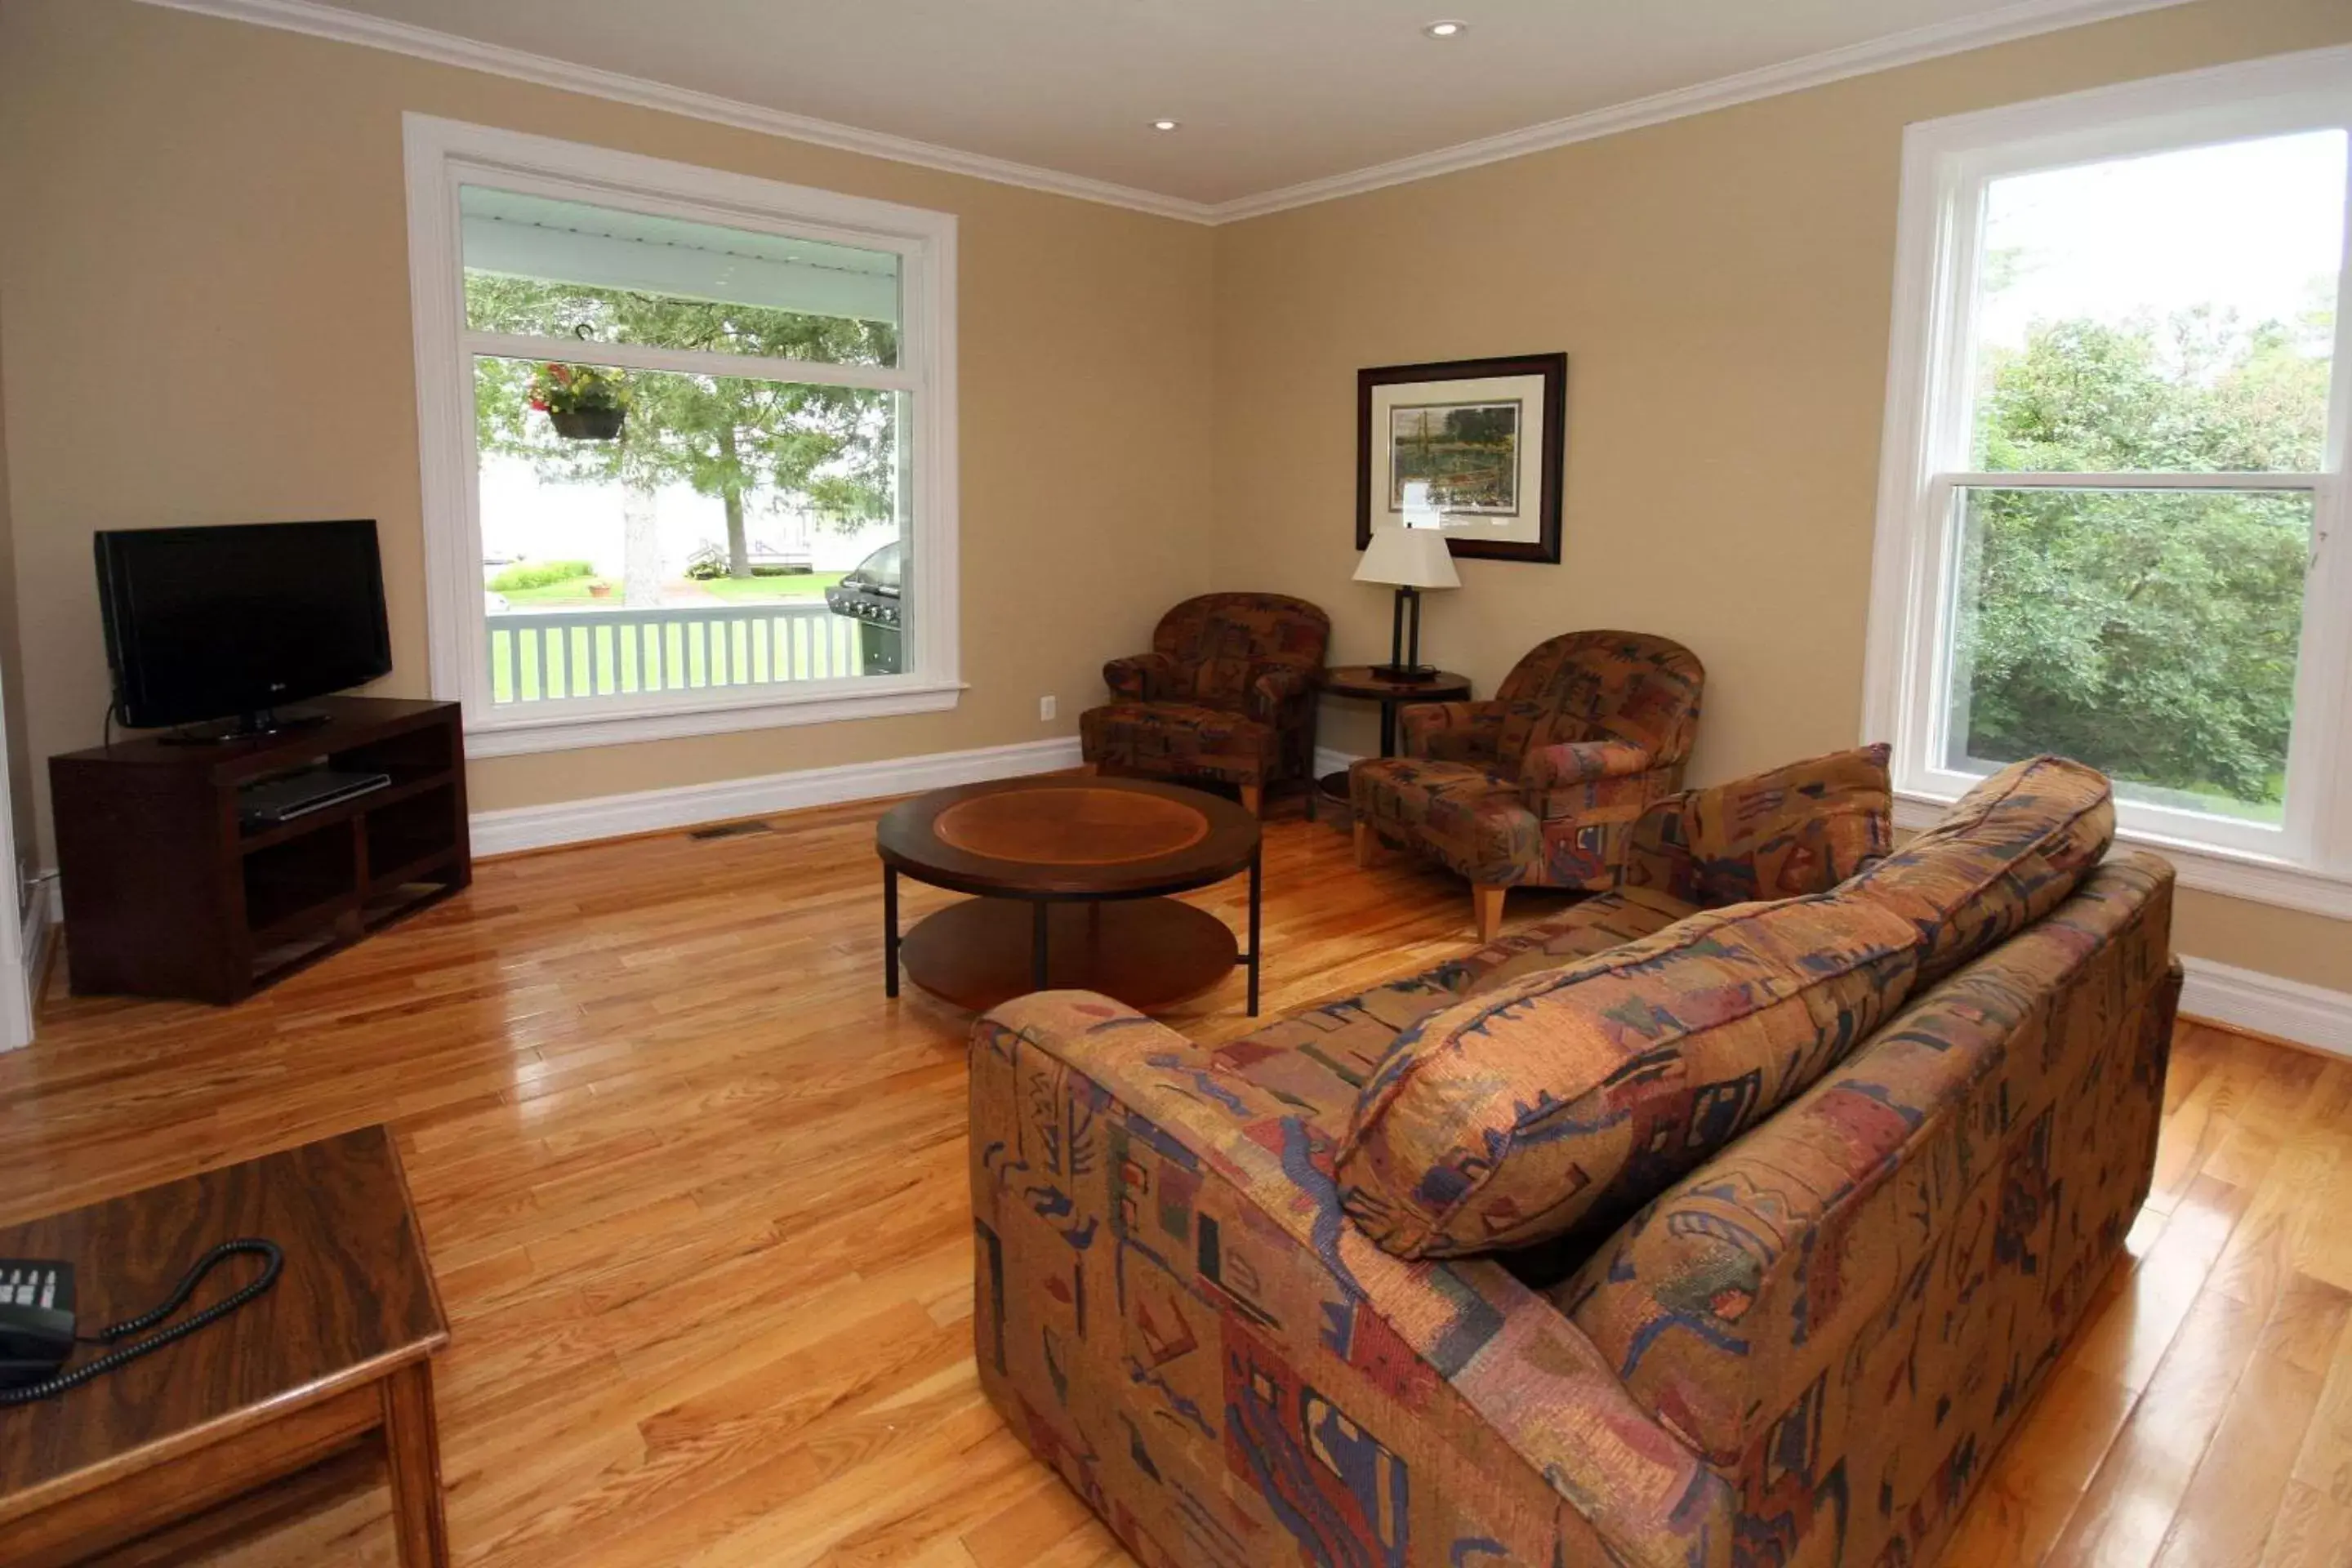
[[205, 270], [204, 293], [1723, 288], [12, 695]]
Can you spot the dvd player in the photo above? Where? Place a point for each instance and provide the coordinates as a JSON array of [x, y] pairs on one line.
[[273, 800]]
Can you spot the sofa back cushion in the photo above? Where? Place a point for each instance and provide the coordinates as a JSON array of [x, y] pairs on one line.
[[1557, 1105], [1891, 1253], [2006, 854], [1219, 643]]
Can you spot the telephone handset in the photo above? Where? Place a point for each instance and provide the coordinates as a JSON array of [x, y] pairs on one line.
[[36, 1320]]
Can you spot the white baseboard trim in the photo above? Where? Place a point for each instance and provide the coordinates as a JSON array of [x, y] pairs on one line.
[[2238, 998], [1327, 761], [43, 920], [516, 828]]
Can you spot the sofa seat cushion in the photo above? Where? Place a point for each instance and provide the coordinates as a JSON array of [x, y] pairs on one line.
[[1554, 1105], [2007, 853], [1178, 739], [1590, 927], [1317, 1062]]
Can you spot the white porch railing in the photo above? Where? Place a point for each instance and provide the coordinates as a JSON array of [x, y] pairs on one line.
[[538, 656]]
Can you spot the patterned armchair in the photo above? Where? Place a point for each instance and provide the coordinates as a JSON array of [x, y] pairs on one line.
[[1539, 787], [1226, 694]]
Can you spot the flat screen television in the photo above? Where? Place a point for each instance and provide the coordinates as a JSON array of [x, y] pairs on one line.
[[233, 622]]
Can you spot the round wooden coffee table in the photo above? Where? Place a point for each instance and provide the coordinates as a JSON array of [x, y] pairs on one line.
[[1072, 877]]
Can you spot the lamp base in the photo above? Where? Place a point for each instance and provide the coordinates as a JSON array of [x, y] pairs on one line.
[[1411, 674]]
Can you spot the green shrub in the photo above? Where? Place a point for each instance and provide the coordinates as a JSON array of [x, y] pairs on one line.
[[538, 574]]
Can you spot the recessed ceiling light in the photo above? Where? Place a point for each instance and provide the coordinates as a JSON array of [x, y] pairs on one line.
[[1446, 29], [1166, 125]]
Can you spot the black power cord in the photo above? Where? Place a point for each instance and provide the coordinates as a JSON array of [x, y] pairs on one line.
[[51, 1387]]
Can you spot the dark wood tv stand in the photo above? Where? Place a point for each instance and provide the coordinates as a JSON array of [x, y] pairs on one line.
[[166, 893]]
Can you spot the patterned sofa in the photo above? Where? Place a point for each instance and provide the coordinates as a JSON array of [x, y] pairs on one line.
[[1226, 694], [1247, 1304], [1539, 786]]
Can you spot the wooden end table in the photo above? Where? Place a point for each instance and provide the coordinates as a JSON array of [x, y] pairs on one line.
[[332, 1358], [1072, 875], [1358, 680]]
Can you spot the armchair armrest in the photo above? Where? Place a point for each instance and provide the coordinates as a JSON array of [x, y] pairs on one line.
[[1141, 678], [1451, 732], [1172, 1307], [1785, 833], [1275, 686], [1573, 763]]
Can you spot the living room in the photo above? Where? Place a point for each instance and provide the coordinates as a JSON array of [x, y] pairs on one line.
[[798, 450]]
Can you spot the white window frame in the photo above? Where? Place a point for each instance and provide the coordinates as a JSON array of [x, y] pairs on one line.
[[444, 154], [2306, 863]]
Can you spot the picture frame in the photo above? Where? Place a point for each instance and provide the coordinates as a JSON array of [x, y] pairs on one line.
[[1474, 448]]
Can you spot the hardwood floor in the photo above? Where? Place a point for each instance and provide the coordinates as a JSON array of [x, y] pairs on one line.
[[695, 1193]]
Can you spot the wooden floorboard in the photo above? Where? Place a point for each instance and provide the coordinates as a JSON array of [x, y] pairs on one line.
[[695, 1193]]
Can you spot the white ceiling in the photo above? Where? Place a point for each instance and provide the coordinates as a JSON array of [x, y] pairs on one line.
[[1272, 93]]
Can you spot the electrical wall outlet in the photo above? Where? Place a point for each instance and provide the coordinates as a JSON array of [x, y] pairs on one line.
[[1045, 708]]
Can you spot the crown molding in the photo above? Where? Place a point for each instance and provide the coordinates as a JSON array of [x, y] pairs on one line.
[[2009, 23], [2022, 20], [320, 21]]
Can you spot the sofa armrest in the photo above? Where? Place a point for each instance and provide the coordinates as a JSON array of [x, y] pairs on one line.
[[1892, 1257], [1565, 767], [1141, 678], [1789, 832], [1276, 690], [1172, 1308], [1451, 732]]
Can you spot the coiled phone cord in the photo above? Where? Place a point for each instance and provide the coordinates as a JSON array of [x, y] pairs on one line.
[[51, 1387]]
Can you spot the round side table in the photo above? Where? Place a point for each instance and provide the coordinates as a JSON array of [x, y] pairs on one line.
[[1358, 680]]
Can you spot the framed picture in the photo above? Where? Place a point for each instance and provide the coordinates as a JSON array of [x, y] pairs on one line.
[[1476, 448]]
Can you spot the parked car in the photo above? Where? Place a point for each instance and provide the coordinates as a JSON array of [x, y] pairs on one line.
[[869, 595]]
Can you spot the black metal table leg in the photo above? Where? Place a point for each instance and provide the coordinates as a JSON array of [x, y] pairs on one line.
[[1255, 857], [1388, 726], [890, 930], [1037, 966]]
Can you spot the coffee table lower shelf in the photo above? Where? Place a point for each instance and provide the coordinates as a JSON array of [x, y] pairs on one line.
[[1147, 953]]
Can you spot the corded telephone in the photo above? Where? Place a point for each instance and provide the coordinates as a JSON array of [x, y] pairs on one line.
[[37, 1332]]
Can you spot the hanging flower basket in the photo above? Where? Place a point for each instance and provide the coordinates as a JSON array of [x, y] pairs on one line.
[[588, 424], [583, 403]]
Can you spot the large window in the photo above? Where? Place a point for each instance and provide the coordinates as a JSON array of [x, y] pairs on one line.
[[2115, 441], [686, 444]]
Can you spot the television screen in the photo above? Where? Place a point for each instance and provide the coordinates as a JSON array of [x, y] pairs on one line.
[[211, 623]]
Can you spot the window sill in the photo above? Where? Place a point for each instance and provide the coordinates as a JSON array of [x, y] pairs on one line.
[[505, 735], [2257, 879]]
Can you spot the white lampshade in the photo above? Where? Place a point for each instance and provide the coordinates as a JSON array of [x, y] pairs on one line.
[[1407, 558]]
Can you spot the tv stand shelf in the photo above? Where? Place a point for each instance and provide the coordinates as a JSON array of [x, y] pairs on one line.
[[168, 894]]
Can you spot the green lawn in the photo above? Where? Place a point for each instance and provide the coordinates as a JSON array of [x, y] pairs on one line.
[[572, 590], [799, 585], [575, 590]]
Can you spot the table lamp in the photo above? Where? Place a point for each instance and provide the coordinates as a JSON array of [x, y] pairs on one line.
[[1412, 559]]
